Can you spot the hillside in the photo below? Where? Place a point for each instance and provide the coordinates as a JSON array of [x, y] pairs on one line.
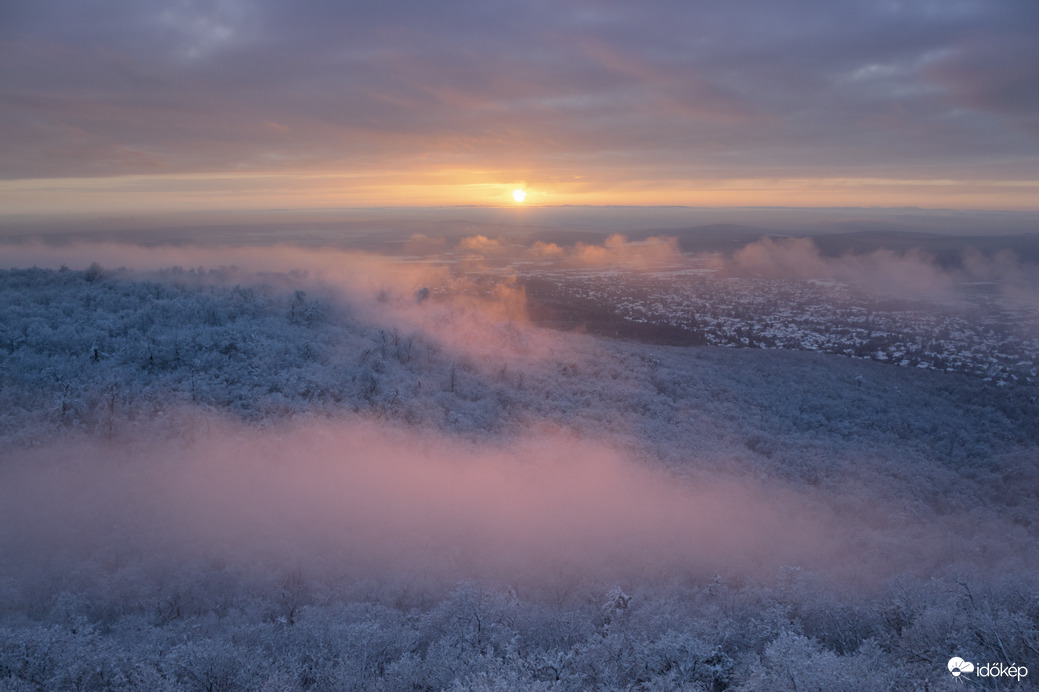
[[229, 480]]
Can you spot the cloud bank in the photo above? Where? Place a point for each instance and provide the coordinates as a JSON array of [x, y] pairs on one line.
[[910, 274], [365, 500]]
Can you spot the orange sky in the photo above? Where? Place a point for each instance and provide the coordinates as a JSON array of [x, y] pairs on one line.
[[236, 191]]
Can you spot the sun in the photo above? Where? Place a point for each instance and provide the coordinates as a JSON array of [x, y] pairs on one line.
[[519, 195]]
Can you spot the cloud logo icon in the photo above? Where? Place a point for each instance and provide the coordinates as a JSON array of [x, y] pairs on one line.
[[957, 665]]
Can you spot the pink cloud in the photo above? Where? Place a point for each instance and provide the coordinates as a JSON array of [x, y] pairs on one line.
[[366, 499], [479, 243]]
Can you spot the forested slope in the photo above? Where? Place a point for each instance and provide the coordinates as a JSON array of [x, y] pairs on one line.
[[926, 480]]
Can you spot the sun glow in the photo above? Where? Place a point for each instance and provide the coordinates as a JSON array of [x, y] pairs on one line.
[[519, 195]]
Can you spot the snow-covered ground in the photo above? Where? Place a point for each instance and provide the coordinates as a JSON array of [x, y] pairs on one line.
[[264, 480]]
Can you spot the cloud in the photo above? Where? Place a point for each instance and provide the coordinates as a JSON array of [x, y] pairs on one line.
[[672, 91], [996, 72], [367, 500], [909, 274], [905, 274], [544, 250], [479, 243], [618, 250], [784, 258]]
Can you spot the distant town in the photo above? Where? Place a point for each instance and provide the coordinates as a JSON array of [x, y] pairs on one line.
[[979, 333]]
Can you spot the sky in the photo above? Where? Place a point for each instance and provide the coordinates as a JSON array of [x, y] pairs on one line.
[[131, 105]]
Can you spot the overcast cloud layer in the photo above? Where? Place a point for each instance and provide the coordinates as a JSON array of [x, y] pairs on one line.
[[551, 91]]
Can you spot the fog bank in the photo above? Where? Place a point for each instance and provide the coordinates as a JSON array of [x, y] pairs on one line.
[[368, 500]]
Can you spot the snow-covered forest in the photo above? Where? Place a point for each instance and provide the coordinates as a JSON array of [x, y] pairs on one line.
[[361, 475]]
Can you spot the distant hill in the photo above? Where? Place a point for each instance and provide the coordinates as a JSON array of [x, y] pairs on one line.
[[948, 250]]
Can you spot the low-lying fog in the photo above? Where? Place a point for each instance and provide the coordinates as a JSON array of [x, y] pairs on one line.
[[534, 504], [315, 412]]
